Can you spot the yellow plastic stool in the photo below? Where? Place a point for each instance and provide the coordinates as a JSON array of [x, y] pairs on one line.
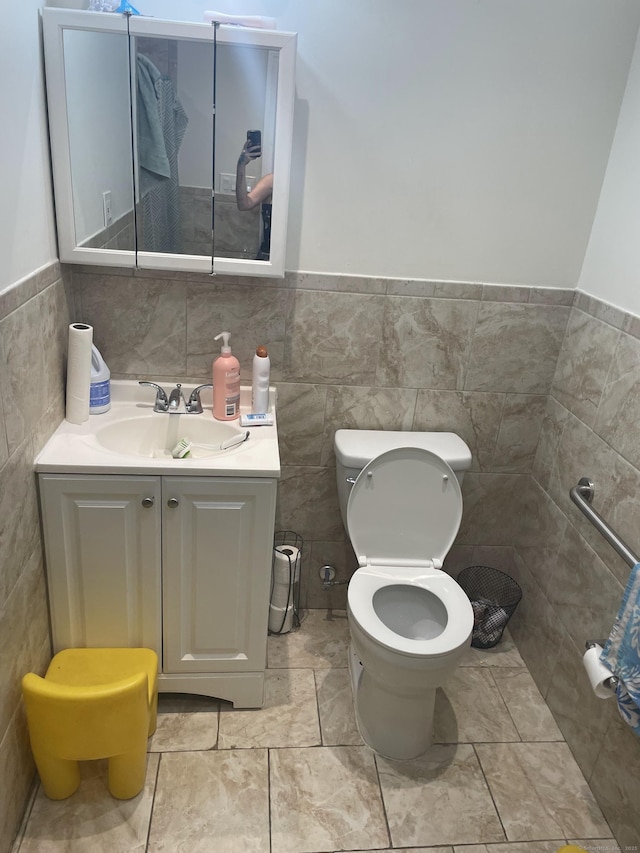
[[93, 703]]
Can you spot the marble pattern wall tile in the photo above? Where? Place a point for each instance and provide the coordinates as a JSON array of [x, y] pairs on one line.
[[619, 411], [19, 519], [337, 554], [582, 717], [492, 505], [331, 337], [23, 380], [24, 647], [425, 342], [34, 319], [308, 503], [515, 347], [253, 316], [4, 445], [539, 535], [139, 323], [354, 407], [301, 416], [517, 442], [583, 365], [474, 416], [536, 628], [587, 610], [582, 453], [616, 781], [604, 311], [549, 442], [17, 770]]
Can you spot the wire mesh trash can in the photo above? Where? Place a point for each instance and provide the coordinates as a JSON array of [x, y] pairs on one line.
[[284, 601], [494, 597]]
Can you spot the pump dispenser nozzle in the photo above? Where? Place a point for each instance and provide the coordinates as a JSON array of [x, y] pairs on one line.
[[225, 341]]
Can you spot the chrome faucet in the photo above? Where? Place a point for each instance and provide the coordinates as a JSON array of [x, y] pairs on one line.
[[174, 399], [162, 401], [194, 404], [172, 404]]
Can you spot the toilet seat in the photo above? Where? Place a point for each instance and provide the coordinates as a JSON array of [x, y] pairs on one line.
[[405, 508], [369, 580], [403, 514]]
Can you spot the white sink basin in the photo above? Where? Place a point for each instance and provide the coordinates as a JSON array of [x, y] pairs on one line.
[[133, 439], [157, 435]]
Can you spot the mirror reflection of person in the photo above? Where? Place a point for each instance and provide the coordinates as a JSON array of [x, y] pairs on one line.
[[259, 195]]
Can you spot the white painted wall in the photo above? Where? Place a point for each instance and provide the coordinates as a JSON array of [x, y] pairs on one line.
[[450, 139], [611, 268], [27, 234]]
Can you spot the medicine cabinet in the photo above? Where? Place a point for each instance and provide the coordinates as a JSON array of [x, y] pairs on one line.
[[147, 119]]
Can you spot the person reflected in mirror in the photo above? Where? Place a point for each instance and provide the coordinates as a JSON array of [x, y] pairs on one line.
[[260, 194]]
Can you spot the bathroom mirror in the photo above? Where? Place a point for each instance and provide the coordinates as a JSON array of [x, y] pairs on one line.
[[147, 121]]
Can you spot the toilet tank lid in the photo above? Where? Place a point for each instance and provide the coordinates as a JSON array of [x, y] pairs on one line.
[[355, 447]]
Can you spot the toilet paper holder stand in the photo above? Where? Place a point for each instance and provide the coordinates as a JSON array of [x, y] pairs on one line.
[[612, 681]]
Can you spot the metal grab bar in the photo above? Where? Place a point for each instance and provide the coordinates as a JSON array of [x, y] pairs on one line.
[[582, 495]]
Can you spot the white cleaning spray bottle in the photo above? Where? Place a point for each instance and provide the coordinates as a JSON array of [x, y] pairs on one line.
[[226, 382], [260, 382], [100, 390]]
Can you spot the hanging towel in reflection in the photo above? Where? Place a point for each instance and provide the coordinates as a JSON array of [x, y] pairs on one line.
[[161, 126], [621, 652]]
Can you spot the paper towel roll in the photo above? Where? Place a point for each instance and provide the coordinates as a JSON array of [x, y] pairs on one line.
[[597, 672], [78, 372]]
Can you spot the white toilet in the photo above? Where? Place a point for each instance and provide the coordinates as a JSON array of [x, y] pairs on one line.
[[410, 622]]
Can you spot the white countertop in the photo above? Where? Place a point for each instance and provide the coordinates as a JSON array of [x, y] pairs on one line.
[[75, 449]]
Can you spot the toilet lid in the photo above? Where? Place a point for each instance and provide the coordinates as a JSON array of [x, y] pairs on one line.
[[404, 508]]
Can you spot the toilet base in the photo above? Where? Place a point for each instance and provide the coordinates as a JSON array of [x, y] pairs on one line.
[[395, 726]]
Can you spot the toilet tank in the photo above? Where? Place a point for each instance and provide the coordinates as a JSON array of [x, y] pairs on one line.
[[355, 447]]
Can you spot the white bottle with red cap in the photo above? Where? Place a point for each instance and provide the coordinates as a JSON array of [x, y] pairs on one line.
[[260, 381]]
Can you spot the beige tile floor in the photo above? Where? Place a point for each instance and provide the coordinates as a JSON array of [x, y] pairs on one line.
[[295, 777]]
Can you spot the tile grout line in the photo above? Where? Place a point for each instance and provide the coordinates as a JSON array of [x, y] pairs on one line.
[[153, 800]]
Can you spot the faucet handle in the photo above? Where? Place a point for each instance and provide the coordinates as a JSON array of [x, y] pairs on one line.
[[194, 405], [162, 401]]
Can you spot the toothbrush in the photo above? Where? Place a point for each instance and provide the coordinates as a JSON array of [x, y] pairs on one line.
[[183, 447]]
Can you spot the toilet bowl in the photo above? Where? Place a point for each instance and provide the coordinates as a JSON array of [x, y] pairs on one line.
[[410, 623]]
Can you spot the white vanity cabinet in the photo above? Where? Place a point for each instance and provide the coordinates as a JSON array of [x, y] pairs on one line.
[[181, 565]]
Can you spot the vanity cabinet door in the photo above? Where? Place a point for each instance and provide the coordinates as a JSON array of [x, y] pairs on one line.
[[217, 548], [102, 544]]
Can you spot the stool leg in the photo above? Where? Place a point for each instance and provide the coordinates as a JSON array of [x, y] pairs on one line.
[[153, 715], [127, 772], [60, 778]]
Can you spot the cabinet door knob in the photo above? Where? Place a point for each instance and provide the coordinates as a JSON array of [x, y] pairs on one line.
[[173, 502], [147, 502]]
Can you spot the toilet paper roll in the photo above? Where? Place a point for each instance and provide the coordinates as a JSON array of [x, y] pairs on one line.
[[78, 372], [597, 672], [286, 563], [280, 619]]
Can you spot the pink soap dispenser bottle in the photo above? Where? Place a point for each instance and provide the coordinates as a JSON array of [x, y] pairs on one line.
[[226, 382]]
